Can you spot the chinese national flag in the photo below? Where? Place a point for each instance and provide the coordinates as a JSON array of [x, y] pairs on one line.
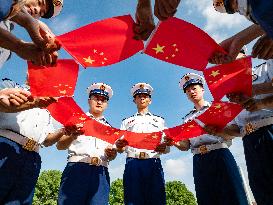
[[67, 112], [106, 133], [220, 114], [185, 131], [143, 140], [102, 43], [179, 42], [56, 81], [234, 77]]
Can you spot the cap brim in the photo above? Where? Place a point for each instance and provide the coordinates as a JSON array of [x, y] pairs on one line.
[[50, 12]]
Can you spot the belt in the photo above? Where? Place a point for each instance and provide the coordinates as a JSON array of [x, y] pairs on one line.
[[204, 149], [140, 155], [27, 143], [89, 160], [251, 127]]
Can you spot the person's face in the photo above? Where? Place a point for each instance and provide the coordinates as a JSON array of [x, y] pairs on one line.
[[97, 104], [142, 100], [37, 8], [195, 93]]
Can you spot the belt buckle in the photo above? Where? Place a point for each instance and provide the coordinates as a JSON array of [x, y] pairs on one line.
[[95, 161], [203, 149], [30, 145], [249, 128], [142, 155]]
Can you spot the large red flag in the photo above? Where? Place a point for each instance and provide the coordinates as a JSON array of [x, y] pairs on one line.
[[67, 112], [101, 131], [220, 114], [56, 81], [143, 140], [102, 43], [235, 77], [181, 43], [185, 131]]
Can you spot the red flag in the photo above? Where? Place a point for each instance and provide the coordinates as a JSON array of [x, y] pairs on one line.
[[235, 77], [143, 140], [67, 112], [102, 43], [101, 131], [181, 43], [53, 81], [185, 131], [219, 114]]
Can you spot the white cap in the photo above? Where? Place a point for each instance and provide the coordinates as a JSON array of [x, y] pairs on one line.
[[54, 9], [189, 79], [100, 89], [140, 88]]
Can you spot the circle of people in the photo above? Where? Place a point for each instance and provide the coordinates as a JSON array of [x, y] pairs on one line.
[[25, 127]]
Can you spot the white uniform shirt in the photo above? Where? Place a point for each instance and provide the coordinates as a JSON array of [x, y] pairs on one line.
[[146, 123], [261, 74], [4, 53], [89, 146], [34, 123], [204, 139]]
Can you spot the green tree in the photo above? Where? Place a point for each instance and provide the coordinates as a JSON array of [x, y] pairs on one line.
[[178, 194], [47, 188], [116, 193]]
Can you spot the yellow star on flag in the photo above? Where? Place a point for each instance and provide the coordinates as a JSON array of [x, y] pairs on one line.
[[191, 126], [218, 106], [82, 118], [88, 60], [155, 136], [159, 49], [215, 73], [116, 133], [62, 91]]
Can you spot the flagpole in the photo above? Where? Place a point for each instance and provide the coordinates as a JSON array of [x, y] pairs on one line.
[[150, 37], [245, 186]]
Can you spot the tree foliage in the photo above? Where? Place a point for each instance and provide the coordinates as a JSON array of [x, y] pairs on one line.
[[47, 188], [178, 194], [116, 193]]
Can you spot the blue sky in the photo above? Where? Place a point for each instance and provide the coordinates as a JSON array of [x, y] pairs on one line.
[[168, 100]]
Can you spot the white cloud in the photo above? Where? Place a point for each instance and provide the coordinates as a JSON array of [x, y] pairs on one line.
[[63, 25], [216, 24]]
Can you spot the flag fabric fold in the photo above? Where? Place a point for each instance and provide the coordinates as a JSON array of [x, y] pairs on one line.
[[56, 81], [67, 112], [234, 77], [219, 114], [103, 42], [181, 43], [185, 131]]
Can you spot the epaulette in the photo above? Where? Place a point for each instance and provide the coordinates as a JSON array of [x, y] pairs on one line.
[[191, 112], [159, 116], [127, 118], [6, 79], [106, 122], [260, 65]]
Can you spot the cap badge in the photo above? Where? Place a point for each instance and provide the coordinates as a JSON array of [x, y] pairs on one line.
[[102, 87], [187, 78], [56, 2]]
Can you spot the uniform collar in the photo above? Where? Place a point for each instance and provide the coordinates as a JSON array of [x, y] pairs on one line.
[[92, 116], [147, 113], [207, 104]]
